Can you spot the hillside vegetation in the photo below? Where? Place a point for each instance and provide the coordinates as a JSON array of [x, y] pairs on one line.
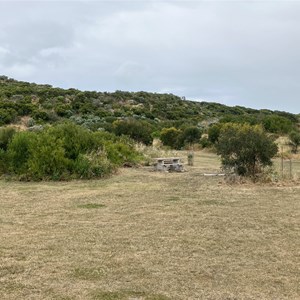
[[96, 110], [87, 134]]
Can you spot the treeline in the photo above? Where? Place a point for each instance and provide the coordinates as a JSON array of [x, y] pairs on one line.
[[62, 152], [184, 136]]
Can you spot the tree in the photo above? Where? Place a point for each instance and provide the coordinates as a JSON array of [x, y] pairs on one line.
[[246, 149], [295, 140]]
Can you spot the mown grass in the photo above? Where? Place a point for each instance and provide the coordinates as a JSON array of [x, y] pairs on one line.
[[91, 205], [123, 295], [144, 235]]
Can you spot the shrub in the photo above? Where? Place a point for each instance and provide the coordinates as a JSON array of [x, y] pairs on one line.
[[3, 161], [7, 115], [120, 153], [246, 149], [140, 131], [75, 139], [92, 165], [277, 124], [19, 151], [205, 142], [63, 110], [294, 140], [41, 115], [6, 134], [30, 122], [190, 135], [47, 158], [214, 133], [170, 136], [66, 151]]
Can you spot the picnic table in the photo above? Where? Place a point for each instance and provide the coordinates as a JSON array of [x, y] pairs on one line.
[[170, 164]]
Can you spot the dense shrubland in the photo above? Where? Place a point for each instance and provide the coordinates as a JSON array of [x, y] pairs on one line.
[[94, 110], [95, 144], [64, 151]]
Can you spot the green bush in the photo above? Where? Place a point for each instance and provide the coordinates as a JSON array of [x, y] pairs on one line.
[[245, 149], [278, 124], [214, 132], [41, 115], [66, 151], [179, 138], [294, 140], [205, 142], [3, 162], [92, 165], [7, 115], [6, 134], [190, 135], [120, 153], [63, 110], [75, 139], [19, 151], [140, 131], [170, 136], [48, 159]]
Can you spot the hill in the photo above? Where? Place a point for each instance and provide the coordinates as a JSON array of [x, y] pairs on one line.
[[29, 104]]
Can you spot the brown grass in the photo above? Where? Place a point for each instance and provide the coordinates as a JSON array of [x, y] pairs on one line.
[[143, 235]]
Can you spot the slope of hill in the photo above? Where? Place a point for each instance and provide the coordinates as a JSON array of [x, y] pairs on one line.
[[39, 104]]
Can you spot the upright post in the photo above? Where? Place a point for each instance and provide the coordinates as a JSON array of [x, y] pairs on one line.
[[282, 161], [191, 158]]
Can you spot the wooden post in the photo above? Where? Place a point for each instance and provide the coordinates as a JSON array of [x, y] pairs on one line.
[[281, 161], [191, 158], [291, 168]]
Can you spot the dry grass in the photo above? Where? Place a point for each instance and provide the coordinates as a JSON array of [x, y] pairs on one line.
[[143, 235]]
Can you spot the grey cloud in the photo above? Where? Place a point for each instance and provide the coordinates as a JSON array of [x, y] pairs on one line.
[[237, 53], [26, 41]]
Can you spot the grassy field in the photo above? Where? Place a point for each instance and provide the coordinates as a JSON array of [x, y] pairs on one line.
[[143, 235]]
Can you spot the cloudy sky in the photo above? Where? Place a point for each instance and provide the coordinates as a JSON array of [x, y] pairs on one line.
[[233, 52]]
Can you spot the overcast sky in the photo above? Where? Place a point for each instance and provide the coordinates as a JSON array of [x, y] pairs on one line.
[[233, 52]]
